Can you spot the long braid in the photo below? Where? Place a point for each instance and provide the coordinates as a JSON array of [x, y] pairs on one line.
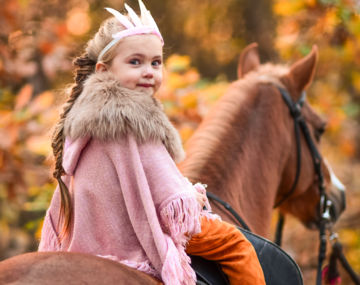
[[84, 67]]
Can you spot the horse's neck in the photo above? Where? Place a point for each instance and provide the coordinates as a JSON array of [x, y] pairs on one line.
[[241, 158]]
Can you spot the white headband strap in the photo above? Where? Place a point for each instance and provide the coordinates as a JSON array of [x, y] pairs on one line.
[[134, 26]]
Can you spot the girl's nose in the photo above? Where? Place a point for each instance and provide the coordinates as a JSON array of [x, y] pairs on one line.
[[148, 72]]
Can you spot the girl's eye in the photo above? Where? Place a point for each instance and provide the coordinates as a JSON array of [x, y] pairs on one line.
[[156, 62], [134, 61]]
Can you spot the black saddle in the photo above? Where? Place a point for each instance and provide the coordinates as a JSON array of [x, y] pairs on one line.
[[278, 267]]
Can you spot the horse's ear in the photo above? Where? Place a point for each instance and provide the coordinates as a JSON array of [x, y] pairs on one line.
[[249, 60], [302, 71]]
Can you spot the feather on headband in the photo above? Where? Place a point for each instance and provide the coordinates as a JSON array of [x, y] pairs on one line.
[[134, 25]]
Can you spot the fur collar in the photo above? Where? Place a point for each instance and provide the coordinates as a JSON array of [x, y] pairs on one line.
[[107, 111]]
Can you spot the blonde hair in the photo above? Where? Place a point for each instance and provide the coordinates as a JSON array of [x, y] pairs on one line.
[[102, 38], [84, 67]]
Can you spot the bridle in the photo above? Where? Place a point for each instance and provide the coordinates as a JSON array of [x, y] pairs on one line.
[[300, 124], [325, 203]]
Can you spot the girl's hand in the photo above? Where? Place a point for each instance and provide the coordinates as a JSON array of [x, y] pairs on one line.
[[201, 198]]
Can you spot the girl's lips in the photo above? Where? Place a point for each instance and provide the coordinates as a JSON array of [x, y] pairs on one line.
[[145, 85]]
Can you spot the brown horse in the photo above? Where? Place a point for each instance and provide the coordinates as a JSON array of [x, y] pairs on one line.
[[245, 148], [244, 151]]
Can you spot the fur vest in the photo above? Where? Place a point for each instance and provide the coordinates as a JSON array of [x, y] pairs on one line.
[[107, 111]]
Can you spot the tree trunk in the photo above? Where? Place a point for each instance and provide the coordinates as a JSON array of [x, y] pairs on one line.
[[260, 27]]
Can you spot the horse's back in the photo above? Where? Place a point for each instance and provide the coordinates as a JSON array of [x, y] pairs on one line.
[[68, 268]]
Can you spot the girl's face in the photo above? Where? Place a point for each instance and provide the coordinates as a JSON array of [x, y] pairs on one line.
[[138, 63]]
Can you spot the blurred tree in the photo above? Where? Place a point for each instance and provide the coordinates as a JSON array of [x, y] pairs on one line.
[[260, 26], [335, 27], [214, 32], [39, 38]]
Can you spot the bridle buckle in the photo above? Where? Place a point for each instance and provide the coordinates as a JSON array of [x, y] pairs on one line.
[[296, 111], [326, 215]]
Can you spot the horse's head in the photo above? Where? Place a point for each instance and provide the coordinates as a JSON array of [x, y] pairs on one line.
[[300, 187]]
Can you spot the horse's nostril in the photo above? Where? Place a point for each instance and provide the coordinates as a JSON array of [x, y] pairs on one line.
[[338, 205], [334, 213], [343, 200]]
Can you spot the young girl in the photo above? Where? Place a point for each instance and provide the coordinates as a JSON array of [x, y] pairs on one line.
[[120, 195]]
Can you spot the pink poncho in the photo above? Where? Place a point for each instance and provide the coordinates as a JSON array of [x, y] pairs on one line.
[[131, 204]]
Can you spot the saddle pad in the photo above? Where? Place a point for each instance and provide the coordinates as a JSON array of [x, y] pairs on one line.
[[278, 267]]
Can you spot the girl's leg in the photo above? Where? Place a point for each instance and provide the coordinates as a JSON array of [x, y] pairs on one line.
[[222, 242]]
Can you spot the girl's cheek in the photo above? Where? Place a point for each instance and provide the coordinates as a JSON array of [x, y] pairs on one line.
[[160, 76]]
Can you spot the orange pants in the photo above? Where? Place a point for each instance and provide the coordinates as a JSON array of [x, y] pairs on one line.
[[222, 242]]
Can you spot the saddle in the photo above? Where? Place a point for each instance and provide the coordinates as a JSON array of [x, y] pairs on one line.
[[278, 267]]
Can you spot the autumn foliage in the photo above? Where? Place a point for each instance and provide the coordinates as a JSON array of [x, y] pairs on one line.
[[39, 38]]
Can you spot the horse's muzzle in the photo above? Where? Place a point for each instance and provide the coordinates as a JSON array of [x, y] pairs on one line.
[[338, 205], [337, 197]]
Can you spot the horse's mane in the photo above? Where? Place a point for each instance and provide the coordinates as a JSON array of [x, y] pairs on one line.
[[215, 137], [265, 73]]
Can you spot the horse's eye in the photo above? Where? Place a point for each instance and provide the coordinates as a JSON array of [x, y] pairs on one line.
[[319, 132]]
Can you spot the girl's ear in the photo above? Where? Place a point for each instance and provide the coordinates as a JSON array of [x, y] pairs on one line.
[[100, 67]]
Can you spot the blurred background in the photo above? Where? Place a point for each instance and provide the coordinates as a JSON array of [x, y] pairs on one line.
[[203, 39]]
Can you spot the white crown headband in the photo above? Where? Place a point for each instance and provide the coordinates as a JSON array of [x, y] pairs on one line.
[[135, 26]]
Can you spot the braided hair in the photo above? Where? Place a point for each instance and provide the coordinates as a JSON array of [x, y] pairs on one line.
[[84, 66]]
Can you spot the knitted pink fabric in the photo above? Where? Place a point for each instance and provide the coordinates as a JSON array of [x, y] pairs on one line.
[[131, 204]]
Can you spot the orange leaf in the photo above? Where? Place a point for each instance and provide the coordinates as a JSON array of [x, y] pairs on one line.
[[192, 76], [39, 145], [42, 102], [8, 136], [61, 30], [46, 47], [6, 118], [185, 133], [178, 63], [1, 159], [348, 148], [23, 96], [356, 80], [189, 100], [38, 231]]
